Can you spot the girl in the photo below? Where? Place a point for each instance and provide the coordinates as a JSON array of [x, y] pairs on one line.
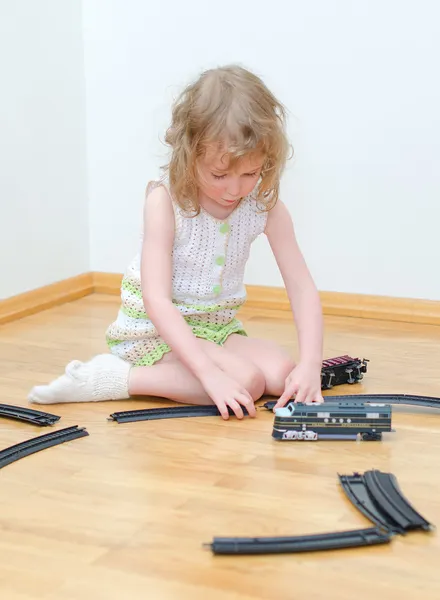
[[176, 334]]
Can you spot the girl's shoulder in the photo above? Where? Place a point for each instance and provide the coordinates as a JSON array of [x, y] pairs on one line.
[[159, 203], [157, 193], [158, 188]]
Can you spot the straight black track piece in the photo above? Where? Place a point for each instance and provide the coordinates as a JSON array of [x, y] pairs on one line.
[[27, 415], [378, 496], [426, 401], [13, 453], [169, 412], [305, 543]]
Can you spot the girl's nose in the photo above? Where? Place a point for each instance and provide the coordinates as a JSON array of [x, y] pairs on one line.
[[234, 188]]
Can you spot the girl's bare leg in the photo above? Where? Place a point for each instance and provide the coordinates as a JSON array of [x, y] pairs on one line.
[[272, 360], [171, 379], [108, 377]]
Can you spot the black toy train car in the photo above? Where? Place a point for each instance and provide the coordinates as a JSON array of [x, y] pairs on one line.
[[333, 421], [342, 369]]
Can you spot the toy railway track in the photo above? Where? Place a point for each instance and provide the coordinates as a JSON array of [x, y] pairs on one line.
[[169, 412], [176, 412], [306, 543], [13, 453], [426, 401], [378, 496], [27, 415]]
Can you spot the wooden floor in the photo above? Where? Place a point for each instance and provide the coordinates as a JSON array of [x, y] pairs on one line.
[[123, 513]]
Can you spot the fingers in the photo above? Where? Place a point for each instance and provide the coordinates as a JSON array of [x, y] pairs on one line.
[[289, 391], [243, 399], [236, 408], [283, 400], [240, 399], [223, 409], [235, 404], [246, 400], [314, 398], [301, 396]]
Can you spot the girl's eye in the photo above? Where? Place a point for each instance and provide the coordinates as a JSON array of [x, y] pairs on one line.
[[254, 174]]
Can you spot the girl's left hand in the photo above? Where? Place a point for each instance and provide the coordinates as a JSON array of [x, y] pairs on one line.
[[304, 382]]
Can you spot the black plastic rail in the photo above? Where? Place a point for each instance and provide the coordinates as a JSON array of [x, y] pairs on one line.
[[13, 453], [426, 401], [305, 543], [27, 415], [177, 412], [356, 491], [383, 487], [169, 412], [378, 496]]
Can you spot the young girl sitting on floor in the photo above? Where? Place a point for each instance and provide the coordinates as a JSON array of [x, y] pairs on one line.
[[176, 334]]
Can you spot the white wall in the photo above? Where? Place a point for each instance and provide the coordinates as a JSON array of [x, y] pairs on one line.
[[43, 200], [361, 82]]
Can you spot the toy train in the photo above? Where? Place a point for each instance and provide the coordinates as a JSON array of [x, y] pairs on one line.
[[332, 421], [342, 369]]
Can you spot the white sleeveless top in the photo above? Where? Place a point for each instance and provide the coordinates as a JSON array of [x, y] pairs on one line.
[[209, 259]]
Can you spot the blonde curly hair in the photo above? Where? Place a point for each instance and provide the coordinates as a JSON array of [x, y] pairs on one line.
[[232, 107]]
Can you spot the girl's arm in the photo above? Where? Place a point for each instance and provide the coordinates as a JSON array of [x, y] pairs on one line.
[[306, 306], [156, 282]]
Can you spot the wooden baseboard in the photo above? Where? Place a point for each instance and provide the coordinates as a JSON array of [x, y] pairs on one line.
[[364, 306], [107, 283], [260, 298], [45, 297], [382, 307]]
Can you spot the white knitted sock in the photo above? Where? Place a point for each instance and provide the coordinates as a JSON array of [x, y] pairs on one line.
[[104, 377]]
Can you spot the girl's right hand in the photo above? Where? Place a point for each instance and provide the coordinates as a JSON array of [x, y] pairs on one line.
[[226, 392]]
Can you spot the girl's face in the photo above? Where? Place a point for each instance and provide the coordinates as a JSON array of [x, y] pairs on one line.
[[224, 185]]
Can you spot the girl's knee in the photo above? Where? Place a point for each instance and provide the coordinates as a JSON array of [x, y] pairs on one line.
[[252, 378], [239, 368], [277, 374]]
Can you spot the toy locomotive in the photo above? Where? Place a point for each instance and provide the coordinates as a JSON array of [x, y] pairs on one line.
[[342, 369], [332, 421]]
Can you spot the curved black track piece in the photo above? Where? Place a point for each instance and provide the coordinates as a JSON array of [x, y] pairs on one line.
[[27, 415], [356, 491], [385, 491], [13, 453], [427, 401], [378, 496], [304, 543], [169, 412]]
